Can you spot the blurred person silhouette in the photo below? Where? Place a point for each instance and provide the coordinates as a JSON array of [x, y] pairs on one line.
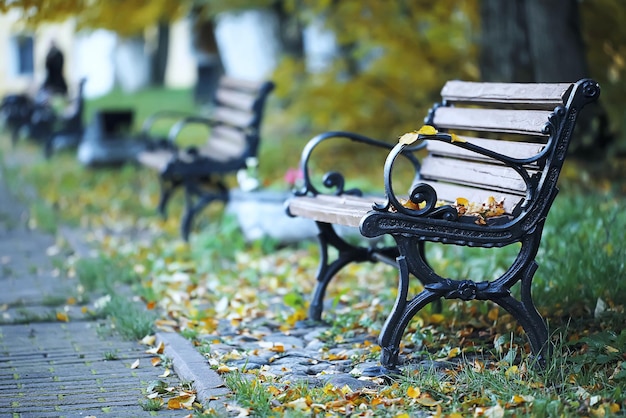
[[54, 83]]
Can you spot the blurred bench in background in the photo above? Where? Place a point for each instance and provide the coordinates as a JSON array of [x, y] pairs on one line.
[[233, 136]]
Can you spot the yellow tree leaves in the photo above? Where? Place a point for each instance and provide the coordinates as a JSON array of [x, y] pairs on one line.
[[394, 57], [128, 17]]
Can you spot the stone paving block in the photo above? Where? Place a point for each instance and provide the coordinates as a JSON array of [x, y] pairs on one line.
[[72, 376]]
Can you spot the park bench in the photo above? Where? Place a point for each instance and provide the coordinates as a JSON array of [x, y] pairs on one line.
[[69, 127], [36, 117], [233, 138], [499, 143]]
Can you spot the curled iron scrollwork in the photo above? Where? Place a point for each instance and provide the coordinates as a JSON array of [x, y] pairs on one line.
[[424, 197], [334, 179], [590, 89], [554, 120], [466, 289]]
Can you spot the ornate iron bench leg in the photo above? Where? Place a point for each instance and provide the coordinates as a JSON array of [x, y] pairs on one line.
[[348, 253], [402, 312], [167, 189], [528, 317], [196, 199], [49, 146], [411, 262], [15, 135]]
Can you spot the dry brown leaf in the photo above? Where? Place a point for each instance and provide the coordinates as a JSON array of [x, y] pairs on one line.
[[157, 349]]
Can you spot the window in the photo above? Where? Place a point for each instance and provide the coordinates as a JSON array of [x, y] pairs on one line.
[[22, 52]]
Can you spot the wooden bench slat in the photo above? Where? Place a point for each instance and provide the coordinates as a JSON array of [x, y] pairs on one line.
[[251, 86], [228, 132], [525, 122], [332, 209], [512, 149], [235, 99], [155, 159], [232, 117], [221, 149], [469, 173], [450, 192], [532, 95]]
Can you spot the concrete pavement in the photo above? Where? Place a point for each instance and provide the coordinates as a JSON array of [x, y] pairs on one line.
[[75, 368]]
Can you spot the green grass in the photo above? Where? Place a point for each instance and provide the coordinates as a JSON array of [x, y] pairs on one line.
[[130, 319], [104, 272], [250, 393], [143, 103], [151, 404]]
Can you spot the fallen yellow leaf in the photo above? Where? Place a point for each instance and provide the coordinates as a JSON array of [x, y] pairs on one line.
[[519, 399], [493, 314], [427, 130], [427, 400], [155, 361], [437, 318], [225, 369], [456, 138], [156, 350], [408, 138], [513, 370], [413, 392], [148, 340], [454, 352], [174, 403], [135, 364], [62, 316]]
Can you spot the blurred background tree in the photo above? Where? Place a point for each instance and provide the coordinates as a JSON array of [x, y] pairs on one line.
[[392, 57]]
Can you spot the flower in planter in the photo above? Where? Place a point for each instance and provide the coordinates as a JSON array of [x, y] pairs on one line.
[[293, 177]]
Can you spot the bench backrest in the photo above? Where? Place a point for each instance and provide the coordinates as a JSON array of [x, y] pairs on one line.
[[237, 115], [529, 124]]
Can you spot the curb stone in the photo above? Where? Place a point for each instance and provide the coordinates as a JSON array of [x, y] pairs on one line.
[[191, 366]]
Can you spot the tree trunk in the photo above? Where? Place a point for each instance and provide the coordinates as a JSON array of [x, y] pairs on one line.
[[290, 32], [505, 53], [159, 57], [210, 67], [541, 41], [555, 40], [531, 40]]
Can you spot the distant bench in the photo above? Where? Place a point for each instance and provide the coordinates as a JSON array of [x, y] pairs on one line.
[[498, 143], [233, 136]]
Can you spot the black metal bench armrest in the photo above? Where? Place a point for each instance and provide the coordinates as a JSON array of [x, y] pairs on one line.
[[427, 196], [179, 126], [148, 124], [335, 180]]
